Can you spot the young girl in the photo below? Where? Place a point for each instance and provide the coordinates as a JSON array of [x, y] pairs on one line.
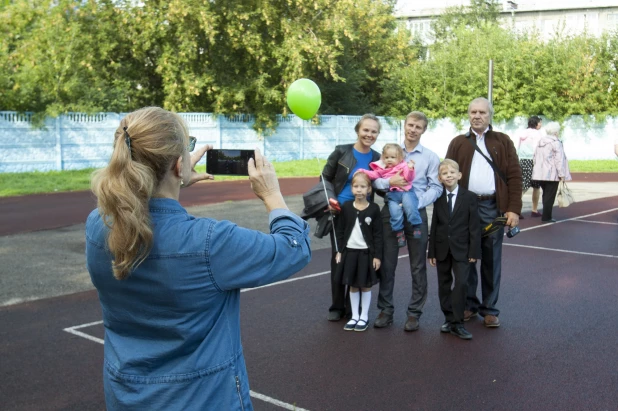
[[401, 201], [359, 237]]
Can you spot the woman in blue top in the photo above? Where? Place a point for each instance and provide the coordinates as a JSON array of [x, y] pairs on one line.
[[169, 283], [339, 170]]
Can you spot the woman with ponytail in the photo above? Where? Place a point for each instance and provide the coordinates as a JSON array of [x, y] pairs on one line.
[[169, 283]]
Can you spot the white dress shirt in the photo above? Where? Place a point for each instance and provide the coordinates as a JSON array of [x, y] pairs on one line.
[[482, 180], [356, 240]]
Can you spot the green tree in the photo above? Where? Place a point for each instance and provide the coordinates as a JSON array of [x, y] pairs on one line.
[[227, 57], [478, 13]]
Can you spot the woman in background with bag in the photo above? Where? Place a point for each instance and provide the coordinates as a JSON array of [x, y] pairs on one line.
[[550, 168]]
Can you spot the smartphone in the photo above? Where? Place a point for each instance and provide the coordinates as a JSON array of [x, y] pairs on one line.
[[512, 232], [228, 162]]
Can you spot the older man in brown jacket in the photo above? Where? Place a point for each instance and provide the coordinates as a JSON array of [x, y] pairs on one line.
[[498, 187]]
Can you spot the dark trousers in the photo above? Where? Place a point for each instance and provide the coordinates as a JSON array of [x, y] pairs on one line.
[[550, 189], [339, 295], [491, 265], [453, 300], [417, 250]]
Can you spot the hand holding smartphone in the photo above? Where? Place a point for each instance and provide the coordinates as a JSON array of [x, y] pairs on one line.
[[228, 162]]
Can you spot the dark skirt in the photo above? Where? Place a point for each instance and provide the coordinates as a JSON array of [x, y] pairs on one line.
[[356, 269], [526, 165]]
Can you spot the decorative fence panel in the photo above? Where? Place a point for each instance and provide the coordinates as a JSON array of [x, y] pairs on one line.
[[76, 140]]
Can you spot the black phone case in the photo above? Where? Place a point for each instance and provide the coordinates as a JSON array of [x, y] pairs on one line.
[[228, 162]]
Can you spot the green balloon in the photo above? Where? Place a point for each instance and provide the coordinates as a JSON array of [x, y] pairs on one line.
[[304, 98]]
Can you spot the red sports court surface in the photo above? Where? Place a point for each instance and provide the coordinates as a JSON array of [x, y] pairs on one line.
[[555, 350]]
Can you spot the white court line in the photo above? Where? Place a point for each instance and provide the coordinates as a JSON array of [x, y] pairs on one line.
[[595, 222], [262, 397], [72, 330], [569, 219], [289, 280], [560, 251], [275, 402]]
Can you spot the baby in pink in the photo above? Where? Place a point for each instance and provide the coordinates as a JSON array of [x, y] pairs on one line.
[[402, 202]]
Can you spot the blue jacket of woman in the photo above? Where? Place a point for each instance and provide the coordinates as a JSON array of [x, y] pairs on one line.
[[172, 328]]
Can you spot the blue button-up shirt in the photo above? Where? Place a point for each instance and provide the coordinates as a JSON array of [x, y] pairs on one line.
[[172, 328], [426, 185]]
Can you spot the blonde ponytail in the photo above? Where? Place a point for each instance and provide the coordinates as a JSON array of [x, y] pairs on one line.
[[146, 145]]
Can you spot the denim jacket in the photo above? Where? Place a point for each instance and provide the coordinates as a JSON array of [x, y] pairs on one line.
[[172, 328]]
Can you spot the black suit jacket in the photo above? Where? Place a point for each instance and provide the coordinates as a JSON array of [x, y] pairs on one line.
[[459, 234]]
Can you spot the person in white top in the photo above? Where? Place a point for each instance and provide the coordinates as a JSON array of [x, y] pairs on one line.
[[528, 141]]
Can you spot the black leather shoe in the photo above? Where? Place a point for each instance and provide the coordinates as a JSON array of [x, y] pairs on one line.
[[446, 327], [461, 332], [411, 324], [548, 221], [383, 320]]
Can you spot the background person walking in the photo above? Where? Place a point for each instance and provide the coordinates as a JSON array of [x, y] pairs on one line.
[[528, 140], [550, 167]]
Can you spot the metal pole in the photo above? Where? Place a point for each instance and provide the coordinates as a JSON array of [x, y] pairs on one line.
[[490, 86], [332, 216]]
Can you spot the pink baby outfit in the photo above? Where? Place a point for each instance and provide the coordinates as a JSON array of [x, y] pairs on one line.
[[380, 172]]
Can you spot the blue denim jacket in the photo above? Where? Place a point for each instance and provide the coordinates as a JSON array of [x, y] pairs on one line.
[[172, 329]]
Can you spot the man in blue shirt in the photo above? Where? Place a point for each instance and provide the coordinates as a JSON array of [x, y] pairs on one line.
[[427, 188]]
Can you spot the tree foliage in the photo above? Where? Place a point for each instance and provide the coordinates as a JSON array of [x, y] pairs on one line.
[[227, 57], [239, 56], [565, 76]]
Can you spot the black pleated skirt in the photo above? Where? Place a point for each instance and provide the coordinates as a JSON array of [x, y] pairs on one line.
[[356, 269]]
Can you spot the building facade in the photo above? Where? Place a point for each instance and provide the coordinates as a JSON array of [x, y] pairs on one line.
[[546, 16]]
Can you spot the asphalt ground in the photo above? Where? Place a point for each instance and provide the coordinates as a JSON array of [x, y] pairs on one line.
[[555, 349]]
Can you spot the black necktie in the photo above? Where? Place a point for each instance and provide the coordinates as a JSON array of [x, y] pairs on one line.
[[450, 204]]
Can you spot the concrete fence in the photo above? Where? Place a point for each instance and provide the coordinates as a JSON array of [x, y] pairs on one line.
[[76, 140]]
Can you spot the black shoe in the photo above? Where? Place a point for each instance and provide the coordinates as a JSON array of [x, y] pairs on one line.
[[411, 324], [334, 316], [548, 221], [361, 325], [350, 325], [446, 327], [461, 332], [383, 320]]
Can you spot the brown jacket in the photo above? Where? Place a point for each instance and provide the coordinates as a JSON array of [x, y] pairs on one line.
[[502, 152]]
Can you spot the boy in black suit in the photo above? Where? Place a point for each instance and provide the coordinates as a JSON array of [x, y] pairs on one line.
[[454, 244]]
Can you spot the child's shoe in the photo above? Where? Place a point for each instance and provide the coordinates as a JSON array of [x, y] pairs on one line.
[[350, 325], [416, 231], [401, 238], [361, 325]]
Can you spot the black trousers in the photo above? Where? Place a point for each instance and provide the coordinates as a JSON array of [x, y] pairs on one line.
[[491, 265], [550, 189], [453, 296], [339, 293]]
